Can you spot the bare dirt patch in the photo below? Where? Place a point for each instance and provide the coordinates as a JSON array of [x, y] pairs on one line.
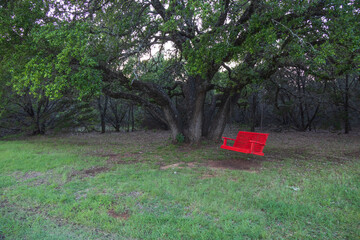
[[91, 172], [234, 164], [353, 154], [44, 212], [179, 165], [96, 170], [145, 139], [124, 215], [121, 158], [33, 178], [28, 175], [312, 146]]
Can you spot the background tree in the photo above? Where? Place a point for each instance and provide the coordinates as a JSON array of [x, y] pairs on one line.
[[116, 114], [102, 103], [39, 115]]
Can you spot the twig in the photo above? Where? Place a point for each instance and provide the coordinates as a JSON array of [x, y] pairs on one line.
[[301, 40]]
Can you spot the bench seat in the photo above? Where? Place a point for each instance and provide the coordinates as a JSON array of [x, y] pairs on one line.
[[243, 150], [247, 142]]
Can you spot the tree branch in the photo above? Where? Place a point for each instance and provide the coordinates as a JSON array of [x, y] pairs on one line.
[[142, 101]]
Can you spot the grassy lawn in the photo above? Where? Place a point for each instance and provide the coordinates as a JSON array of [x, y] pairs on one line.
[[140, 186]]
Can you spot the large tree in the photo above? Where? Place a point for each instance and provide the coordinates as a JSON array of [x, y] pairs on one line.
[[101, 45]]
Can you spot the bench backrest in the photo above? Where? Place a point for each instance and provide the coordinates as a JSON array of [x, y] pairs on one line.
[[243, 140]]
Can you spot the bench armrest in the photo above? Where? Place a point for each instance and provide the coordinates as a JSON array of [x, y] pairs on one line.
[[253, 145], [257, 142], [225, 140]]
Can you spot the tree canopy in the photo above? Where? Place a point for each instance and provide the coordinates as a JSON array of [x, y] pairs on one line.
[[174, 56]]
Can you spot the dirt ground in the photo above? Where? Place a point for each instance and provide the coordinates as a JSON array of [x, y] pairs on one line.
[[234, 164], [323, 146]]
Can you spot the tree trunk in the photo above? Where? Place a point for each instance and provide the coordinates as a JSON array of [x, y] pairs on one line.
[[117, 126], [195, 92], [103, 124], [253, 112], [194, 131], [209, 115], [261, 110], [308, 118], [39, 124], [132, 118], [218, 123], [346, 105], [301, 100], [117, 120], [102, 110], [114, 109], [128, 120], [172, 122]]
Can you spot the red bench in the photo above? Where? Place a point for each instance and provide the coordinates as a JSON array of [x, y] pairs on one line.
[[247, 142]]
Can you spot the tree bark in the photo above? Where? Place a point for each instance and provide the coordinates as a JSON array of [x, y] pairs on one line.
[[346, 105], [128, 119], [218, 123], [209, 114], [194, 91], [172, 122], [301, 98], [253, 111], [102, 110], [194, 131]]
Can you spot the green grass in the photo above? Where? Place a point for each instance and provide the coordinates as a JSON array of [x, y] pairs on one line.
[[111, 187]]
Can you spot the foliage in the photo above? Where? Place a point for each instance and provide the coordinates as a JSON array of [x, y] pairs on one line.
[[93, 46], [180, 138]]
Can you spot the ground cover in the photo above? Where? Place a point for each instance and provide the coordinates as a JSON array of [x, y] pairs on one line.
[[140, 186]]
